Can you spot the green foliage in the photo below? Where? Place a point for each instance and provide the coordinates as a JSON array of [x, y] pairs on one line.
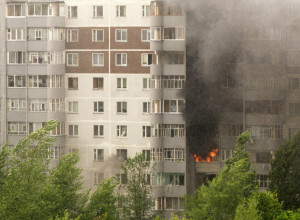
[[285, 172], [289, 215], [220, 198], [136, 194], [248, 211], [65, 183], [261, 205], [65, 217], [24, 176], [102, 204]]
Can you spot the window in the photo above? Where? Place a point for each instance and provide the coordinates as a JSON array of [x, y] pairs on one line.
[[121, 35], [39, 10], [146, 83], [225, 154], [15, 10], [155, 33], [294, 84], [73, 130], [97, 11], [34, 126], [72, 35], [56, 81], [173, 106], [146, 59], [72, 12], [98, 59], [265, 131], [121, 83], [145, 10], [38, 33], [57, 105], [156, 154], [72, 59], [98, 154], [292, 132], [294, 108], [173, 33], [98, 107], [168, 130], [146, 154], [121, 59], [16, 57], [98, 130], [98, 83], [57, 152], [59, 130], [73, 107], [121, 10], [98, 35], [146, 131], [122, 107], [263, 180], [98, 177], [173, 154], [15, 34], [38, 105], [146, 107], [145, 35], [16, 128], [73, 83], [121, 154], [232, 130], [16, 104], [175, 58], [167, 82], [169, 203], [72, 150], [263, 157], [40, 57], [16, 81], [121, 130], [122, 179], [39, 81]]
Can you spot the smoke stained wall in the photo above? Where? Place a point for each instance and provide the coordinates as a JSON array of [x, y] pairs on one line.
[[238, 56]]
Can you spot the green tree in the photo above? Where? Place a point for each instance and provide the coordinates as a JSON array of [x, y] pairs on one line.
[[289, 215], [136, 193], [221, 196], [103, 201], [285, 173], [24, 175], [63, 191], [261, 205]]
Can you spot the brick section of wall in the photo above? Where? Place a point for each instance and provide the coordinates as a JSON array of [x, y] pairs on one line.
[[134, 64], [85, 63], [85, 39], [134, 39]]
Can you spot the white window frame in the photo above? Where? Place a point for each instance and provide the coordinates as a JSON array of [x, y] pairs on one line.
[[99, 81], [97, 107], [96, 33], [98, 177], [123, 59], [122, 83], [146, 83], [98, 130], [73, 80], [122, 33], [145, 10], [146, 131], [71, 58], [16, 105], [122, 154], [22, 10], [98, 152], [97, 59], [147, 105], [121, 107], [70, 35], [18, 81], [96, 9], [17, 128], [145, 33], [121, 10], [15, 34], [72, 13], [155, 34], [73, 107], [38, 105], [16, 57], [122, 131], [226, 154], [146, 60], [73, 130]]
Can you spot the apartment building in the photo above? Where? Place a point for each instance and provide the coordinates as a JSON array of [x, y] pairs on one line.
[[111, 72]]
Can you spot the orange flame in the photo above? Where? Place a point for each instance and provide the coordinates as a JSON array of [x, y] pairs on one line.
[[208, 158]]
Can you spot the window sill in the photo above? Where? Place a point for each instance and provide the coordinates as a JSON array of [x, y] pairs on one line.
[[73, 136], [98, 160], [122, 137], [101, 113], [98, 136], [72, 112], [98, 89]]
